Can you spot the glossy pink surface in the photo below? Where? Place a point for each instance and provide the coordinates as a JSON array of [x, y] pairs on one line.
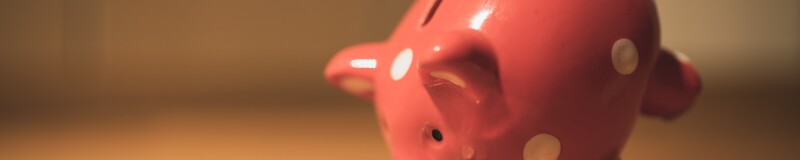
[[490, 75]]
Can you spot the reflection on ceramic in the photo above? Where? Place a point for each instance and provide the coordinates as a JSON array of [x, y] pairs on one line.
[[517, 79]]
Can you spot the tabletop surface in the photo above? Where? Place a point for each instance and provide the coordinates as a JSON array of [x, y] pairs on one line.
[[724, 127]]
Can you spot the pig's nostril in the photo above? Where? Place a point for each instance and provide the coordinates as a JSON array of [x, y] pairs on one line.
[[437, 135]]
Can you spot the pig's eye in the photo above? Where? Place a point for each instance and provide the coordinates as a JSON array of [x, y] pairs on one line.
[[431, 12], [437, 135]]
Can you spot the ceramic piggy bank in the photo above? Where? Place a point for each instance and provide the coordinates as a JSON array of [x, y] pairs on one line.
[[517, 79]]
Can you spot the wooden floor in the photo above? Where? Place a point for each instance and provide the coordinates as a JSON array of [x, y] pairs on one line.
[[730, 128]]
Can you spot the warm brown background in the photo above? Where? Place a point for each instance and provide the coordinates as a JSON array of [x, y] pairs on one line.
[[241, 79]]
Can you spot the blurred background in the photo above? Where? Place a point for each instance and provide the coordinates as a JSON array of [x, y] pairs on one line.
[[242, 79]]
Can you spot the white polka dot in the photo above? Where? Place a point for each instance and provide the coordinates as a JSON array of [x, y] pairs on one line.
[[681, 57], [401, 64], [542, 147], [624, 56], [468, 152], [364, 63]]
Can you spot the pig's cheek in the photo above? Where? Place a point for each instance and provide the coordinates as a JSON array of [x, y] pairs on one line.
[[542, 147]]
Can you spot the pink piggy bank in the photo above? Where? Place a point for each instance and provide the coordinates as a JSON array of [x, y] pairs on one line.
[[517, 79]]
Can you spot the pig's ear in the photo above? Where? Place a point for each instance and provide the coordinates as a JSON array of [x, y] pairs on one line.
[[352, 69], [673, 87], [461, 77]]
